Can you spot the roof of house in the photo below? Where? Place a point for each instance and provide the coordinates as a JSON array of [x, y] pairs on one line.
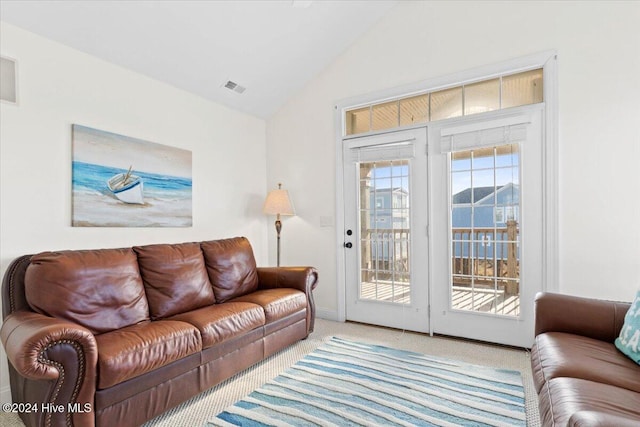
[[386, 190], [479, 193]]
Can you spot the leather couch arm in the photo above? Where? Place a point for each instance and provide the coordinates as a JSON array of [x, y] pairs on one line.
[[58, 361], [304, 279], [301, 278], [593, 318]]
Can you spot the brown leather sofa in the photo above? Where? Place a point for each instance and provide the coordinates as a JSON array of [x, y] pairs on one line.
[[114, 337], [580, 376]]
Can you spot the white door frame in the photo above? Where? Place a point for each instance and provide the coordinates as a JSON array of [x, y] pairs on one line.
[[548, 60]]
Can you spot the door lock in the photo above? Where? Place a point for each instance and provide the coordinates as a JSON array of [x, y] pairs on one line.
[[348, 245]]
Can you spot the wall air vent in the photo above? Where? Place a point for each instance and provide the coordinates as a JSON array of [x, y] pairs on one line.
[[234, 86], [8, 80]]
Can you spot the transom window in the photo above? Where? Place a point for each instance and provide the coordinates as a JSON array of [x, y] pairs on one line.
[[506, 91]]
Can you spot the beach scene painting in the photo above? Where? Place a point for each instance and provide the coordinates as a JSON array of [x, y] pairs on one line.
[[119, 181]]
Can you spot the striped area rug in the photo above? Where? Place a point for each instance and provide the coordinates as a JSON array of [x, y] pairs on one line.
[[347, 383]]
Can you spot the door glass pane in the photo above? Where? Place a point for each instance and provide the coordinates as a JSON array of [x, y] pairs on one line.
[[460, 161], [384, 231], [485, 225]]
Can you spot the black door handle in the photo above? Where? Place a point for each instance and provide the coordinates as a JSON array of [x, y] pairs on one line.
[[348, 245]]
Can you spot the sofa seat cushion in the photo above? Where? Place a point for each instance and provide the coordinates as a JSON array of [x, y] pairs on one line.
[[573, 401], [558, 354], [132, 351], [220, 322], [277, 303], [175, 278]]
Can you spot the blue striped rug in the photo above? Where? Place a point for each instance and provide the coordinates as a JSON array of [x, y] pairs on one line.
[[346, 383]]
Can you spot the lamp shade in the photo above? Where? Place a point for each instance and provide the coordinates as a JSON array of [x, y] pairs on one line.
[[278, 202]]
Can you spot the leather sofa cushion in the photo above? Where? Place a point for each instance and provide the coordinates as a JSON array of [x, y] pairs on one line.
[[220, 322], [138, 349], [99, 289], [557, 354], [568, 400], [277, 303], [231, 267], [175, 278]]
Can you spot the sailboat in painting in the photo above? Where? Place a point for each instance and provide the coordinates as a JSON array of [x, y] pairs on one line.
[[127, 187]]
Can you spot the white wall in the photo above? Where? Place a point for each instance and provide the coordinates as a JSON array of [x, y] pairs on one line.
[[59, 86], [599, 139]]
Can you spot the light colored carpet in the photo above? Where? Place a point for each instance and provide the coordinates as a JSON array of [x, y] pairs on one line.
[[205, 406], [346, 382]]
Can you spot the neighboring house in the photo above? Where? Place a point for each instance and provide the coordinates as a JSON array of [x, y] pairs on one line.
[[389, 208], [389, 224], [489, 207]]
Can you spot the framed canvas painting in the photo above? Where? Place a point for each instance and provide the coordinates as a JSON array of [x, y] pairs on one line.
[[119, 181]]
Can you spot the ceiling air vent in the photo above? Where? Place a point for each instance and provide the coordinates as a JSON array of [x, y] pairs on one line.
[[234, 86]]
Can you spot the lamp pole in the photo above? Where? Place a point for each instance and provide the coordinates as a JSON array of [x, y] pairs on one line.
[[278, 229]]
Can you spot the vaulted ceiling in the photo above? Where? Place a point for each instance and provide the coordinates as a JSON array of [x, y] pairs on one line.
[[271, 48]]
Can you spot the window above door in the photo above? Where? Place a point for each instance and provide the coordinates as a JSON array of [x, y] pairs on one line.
[[495, 93]]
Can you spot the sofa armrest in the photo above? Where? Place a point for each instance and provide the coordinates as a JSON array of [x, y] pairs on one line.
[[593, 318], [304, 279], [301, 278], [58, 361]]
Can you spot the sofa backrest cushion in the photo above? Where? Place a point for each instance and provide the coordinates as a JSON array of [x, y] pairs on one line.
[[231, 267], [174, 277], [99, 289]]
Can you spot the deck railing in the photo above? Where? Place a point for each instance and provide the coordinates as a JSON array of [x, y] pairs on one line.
[[386, 254], [480, 256], [486, 257]]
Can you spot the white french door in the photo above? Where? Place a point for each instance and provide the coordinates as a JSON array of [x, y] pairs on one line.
[[385, 240], [450, 243], [487, 225]]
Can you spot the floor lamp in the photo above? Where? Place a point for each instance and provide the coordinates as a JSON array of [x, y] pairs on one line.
[[278, 203]]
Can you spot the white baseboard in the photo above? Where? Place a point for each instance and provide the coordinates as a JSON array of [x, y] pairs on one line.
[[5, 394], [327, 314]]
